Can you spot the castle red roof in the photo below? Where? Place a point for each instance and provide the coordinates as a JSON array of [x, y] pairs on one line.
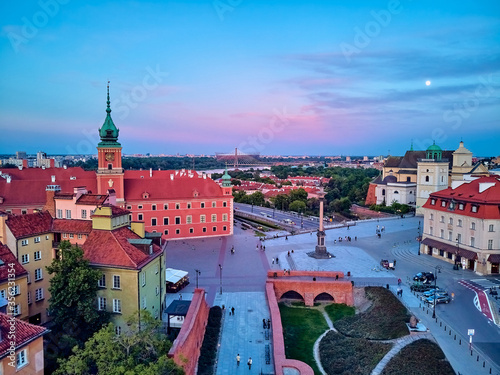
[[71, 226], [483, 193], [161, 185], [30, 224], [115, 211], [25, 333], [27, 186], [92, 199], [111, 248], [7, 257]]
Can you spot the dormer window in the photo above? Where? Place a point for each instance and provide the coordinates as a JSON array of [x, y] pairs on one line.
[[145, 195], [443, 203], [474, 208], [433, 202], [461, 206]]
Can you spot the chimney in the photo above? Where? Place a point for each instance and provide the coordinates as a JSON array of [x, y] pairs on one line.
[[52, 178], [50, 204], [150, 172], [25, 163], [111, 197], [65, 166], [79, 191], [52, 163]]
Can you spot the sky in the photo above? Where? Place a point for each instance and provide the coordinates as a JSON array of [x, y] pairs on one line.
[[311, 77]]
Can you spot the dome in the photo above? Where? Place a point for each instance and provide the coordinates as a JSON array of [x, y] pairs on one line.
[[434, 147], [390, 179]]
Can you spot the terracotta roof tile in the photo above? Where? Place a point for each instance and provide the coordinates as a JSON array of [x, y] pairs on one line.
[[30, 224], [71, 226], [7, 257], [92, 199], [112, 248], [25, 333]]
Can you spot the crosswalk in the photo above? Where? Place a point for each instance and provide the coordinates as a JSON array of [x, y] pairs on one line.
[[487, 283]]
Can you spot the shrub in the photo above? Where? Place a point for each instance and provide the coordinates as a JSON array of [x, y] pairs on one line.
[[208, 350]]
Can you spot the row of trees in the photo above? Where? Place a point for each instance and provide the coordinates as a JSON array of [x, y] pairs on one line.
[[82, 341]]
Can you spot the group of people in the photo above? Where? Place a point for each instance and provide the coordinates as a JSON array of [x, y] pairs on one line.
[[249, 362], [266, 324], [346, 238]]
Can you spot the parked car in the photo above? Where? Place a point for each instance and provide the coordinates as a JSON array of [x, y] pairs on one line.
[[424, 277], [419, 287], [430, 292], [444, 298]]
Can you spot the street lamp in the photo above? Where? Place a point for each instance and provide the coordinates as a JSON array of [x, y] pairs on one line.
[[419, 237], [457, 254], [252, 212], [198, 272], [220, 277], [437, 268]]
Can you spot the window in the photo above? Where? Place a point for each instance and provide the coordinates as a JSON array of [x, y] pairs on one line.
[[24, 242], [202, 219], [450, 236], [117, 306], [24, 212], [474, 209], [177, 220], [224, 217], [490, 244], [29, 278], [139, 206], [84, 214], [22, 358], [139, 217], [37, 239], [157, 290], [214, 204], [189, 219], [101, 303], [431, 217], [443, 203], [459, 223], [29, 298], [472, 241], [3, 293], [102, 281], [451, 221], [65, 235], [165, 221], [204, 230], [39, 294], [165, 206], [426, 178], [224, 228], [459, 238], [15, 309], [191, 230], [165, 232], [153, 222], [202, 205], [118, 330], [189, 205], [442, 219], [156, 269], [177, 206], [431, 231], [214, 218], [490, 228], [143, 278], [214, 229], [461, 206], [153, 207], [442, 233], [25, 258], [68, 214], [71, 235], [59, 214], [473, 226], [177, 231], [116, 282], [129, 207], [37, 255], [38, 274], [14, 290], [144, 303], [80, 236]]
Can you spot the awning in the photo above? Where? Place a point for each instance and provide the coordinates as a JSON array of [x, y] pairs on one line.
[[494, 258], [173, 276], [468, 254]]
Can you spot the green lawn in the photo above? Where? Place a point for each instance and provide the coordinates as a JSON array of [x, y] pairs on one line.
[[337, 311], [301, 328]]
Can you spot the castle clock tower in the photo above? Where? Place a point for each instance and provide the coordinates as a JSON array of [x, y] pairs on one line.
[[109, 155]]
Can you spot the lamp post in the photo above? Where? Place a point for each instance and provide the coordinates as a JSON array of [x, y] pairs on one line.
[[220, 277], [419, 237], [198, 272], [457, 254], [252, 212], [437, 268]]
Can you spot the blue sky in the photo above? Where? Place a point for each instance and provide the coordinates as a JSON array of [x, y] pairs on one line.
[[284, 77]]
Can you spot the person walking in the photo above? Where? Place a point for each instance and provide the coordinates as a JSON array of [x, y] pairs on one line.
[[264, 324], [238, 359], [232, 310], [249, 363]]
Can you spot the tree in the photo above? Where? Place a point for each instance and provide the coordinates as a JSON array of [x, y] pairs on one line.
[[142, 349], [73, 290], [297, 206], [257, 198], [298, 195], [281, 201]]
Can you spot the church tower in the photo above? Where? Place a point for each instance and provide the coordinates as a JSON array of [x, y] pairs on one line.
[[227, 187], [432, 174], [109, 155]]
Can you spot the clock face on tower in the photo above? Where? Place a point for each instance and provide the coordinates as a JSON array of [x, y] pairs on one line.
[[110, 156]]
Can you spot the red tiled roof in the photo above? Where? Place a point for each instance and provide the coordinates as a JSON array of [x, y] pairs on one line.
[[111, 248], [487, 201], [92, 199], [28, 185], [25, 333], [161, 186], [71, 226], [30, 224], [115, 211], [7, 258]]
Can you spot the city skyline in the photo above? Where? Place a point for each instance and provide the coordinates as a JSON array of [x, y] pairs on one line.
[[291, 78]]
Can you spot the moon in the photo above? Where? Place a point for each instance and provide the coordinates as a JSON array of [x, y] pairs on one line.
[[427, 83]]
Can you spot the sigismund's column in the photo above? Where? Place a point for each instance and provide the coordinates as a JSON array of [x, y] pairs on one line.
[[320, 251]]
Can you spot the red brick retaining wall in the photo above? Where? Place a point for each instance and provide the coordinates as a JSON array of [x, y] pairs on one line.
[[186, 348]]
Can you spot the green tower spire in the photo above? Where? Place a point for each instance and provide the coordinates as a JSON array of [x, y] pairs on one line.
[[226, 179], [109, 132]]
